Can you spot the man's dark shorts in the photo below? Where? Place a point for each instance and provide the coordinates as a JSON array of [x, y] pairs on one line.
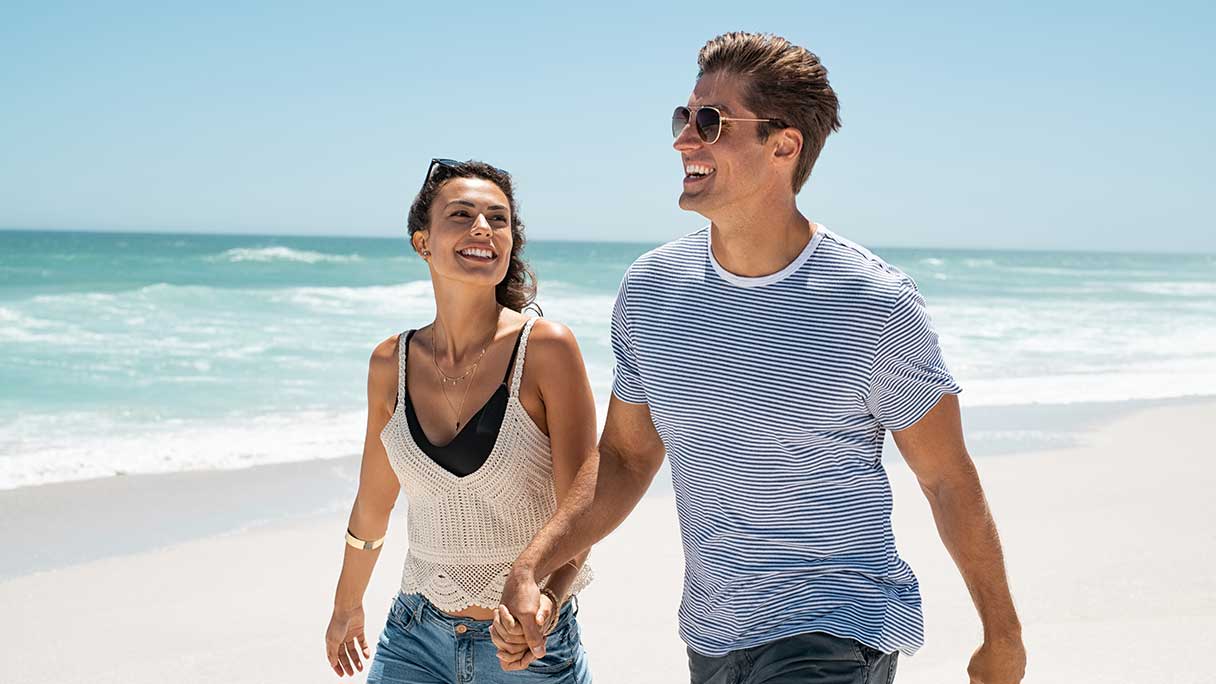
[[814, 658]]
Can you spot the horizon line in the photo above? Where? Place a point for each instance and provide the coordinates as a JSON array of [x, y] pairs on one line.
[[331, 236]]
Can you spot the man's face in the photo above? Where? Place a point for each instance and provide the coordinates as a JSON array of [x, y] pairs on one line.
[[737, 164]]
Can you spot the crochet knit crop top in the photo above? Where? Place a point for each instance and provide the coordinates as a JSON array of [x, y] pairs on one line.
[[465, 531]]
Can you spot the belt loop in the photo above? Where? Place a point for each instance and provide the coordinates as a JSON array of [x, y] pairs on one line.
[[422, 603]]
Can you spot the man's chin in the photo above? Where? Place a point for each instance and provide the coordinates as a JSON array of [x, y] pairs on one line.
[[690, 201], [694, 202]]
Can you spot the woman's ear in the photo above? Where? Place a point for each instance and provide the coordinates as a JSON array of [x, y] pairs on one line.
[[419, 241]]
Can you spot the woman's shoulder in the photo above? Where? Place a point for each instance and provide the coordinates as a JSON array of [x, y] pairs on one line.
[[383, 365], [552, 345], [547, 332]]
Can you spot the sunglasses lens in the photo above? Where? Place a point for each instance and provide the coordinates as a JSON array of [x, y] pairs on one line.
[[679, 119], [709, 124]]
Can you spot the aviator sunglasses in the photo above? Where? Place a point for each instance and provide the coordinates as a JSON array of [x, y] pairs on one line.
[[707, 121]]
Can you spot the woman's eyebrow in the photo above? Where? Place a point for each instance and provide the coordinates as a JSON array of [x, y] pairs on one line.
[[492, 207]]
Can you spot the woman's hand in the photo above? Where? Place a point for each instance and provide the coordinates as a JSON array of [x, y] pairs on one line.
[[341, 649], [508, 635]]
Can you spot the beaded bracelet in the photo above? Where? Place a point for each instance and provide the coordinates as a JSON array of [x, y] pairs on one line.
[[551, 623]]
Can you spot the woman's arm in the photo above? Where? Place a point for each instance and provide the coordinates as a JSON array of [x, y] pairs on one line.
[[557, 368], [378, 489], [565, 391]]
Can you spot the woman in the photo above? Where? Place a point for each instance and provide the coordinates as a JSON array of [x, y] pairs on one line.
[[483, 417]]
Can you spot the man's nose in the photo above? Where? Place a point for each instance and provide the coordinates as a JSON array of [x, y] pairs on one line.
[[687, 140]]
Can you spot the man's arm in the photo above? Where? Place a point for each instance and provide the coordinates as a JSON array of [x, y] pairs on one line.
[[604, 492], [935, 450]]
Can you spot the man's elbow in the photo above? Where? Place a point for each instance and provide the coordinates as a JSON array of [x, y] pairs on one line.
[[619, 471], [957, 480]]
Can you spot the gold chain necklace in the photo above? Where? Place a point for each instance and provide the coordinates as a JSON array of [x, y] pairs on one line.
[[445, 379]]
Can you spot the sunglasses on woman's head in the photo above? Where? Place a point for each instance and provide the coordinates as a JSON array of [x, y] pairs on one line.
[[439, 164], [706, 121]]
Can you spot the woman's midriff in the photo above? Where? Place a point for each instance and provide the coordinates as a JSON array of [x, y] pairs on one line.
[[472, 613]]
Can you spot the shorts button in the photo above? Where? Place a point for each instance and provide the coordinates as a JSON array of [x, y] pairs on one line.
[[461, 629]]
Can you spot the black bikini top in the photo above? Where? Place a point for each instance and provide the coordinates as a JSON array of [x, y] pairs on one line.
[[470, 448]]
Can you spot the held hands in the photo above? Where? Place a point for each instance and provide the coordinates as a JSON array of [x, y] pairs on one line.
[[521, 640], [999, 661], [345, 641]]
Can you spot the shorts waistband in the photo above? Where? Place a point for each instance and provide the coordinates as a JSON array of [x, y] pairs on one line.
[[421, 609]]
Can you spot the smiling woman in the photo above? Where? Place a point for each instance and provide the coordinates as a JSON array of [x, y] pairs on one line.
[[483, 450], [517, 287]]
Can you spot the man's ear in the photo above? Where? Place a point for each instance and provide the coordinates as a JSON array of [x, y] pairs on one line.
[[789, 145]]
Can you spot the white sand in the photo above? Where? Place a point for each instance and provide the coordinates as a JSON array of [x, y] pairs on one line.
[[1110, 549]]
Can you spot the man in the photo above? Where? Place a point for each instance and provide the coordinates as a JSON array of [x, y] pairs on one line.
[[767, 357]]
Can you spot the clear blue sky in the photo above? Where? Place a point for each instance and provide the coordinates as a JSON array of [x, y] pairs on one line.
[[1029, 126]]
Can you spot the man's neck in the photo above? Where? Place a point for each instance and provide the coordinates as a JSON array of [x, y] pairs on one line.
[[762, 241]]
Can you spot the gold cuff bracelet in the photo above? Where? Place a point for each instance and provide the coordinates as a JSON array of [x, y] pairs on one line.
[[358, 543]]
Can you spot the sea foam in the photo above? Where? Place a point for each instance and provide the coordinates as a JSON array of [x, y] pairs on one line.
[[238, 254]]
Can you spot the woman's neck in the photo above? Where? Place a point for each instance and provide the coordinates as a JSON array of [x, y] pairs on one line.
[[466, 320]]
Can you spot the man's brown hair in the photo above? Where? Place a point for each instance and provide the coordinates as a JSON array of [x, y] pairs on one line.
[[782, 81]]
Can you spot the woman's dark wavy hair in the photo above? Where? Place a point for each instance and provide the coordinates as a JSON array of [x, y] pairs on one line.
[[517, 290]]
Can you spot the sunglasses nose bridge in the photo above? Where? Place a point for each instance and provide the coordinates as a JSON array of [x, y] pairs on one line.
[[688, 137]]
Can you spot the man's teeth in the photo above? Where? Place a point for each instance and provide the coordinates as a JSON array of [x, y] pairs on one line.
[[483, 253], [698, 170]]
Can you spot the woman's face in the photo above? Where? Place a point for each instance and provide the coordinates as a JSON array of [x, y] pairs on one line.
[[469, 238]]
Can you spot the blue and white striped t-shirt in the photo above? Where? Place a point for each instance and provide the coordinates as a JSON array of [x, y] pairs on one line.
[[772, 396]]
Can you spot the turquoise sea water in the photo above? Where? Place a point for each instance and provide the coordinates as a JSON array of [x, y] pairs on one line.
[[152, 353]]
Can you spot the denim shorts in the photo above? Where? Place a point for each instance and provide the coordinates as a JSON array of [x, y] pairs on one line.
[[812, 658], [422, 644]]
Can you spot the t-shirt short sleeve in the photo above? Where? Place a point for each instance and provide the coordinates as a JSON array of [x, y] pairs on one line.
[[626, 375], [909, 375]]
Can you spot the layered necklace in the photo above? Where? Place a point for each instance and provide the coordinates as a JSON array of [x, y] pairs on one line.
[[470, 374]]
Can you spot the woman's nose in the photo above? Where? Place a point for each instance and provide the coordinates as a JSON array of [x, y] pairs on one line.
[[481, 225]]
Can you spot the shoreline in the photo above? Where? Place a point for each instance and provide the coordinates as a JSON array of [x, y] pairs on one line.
[[1106, 542], [152, 511]]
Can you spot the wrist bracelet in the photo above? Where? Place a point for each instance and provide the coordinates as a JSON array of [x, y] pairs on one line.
[[551, 623], [357, 543]]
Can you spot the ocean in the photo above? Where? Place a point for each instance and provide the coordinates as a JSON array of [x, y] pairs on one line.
[[142, 353]]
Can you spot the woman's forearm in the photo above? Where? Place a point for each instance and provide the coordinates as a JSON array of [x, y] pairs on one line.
[[562, 579], [367, 523]]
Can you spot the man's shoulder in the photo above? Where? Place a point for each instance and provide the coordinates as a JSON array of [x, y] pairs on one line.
[[860, 270], [671, 260]]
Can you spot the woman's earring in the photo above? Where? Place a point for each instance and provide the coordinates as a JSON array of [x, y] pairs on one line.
[[426, 253]]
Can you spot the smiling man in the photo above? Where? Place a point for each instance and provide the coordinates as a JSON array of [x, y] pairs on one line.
[[767, 356]]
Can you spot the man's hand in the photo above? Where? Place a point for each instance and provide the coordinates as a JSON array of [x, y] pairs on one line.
[[998, 662], [522, 598], [508, 635]]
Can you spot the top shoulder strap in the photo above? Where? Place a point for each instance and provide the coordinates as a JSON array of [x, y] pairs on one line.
[[403, 354], [522, 351], [506, 375]]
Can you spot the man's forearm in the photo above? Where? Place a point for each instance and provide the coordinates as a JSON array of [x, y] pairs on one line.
[[969, 533], [604, 492]]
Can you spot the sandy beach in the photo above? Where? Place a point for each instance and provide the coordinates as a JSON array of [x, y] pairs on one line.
[[1109, 548]]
